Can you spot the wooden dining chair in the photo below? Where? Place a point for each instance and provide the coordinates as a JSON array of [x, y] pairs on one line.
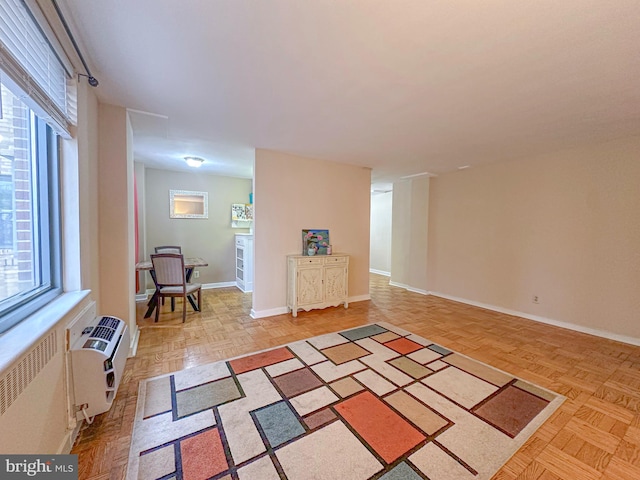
[[169, 249], [171, 281]]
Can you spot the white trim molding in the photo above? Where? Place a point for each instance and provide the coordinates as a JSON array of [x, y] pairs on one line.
[[549, 321], [142, 297], [409, 288], [284, 310], [208, 286], [268, 313], [205, 286], [379, 272], [135, 338]]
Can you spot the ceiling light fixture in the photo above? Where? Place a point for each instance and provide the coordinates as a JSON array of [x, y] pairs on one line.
[[194, 161]]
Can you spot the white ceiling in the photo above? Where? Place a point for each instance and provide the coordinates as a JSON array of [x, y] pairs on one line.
[[403, 87]]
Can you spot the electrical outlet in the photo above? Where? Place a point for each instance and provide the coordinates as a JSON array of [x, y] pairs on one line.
[[196, 274], [535, 299]]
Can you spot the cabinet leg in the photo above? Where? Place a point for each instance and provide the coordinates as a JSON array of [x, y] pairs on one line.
[[346, 304], [294, 312]]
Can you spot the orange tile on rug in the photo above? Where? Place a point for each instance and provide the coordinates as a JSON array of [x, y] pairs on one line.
[[258, 360], [384, 430]]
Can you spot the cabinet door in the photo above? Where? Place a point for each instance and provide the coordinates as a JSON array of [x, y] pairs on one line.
[[309, 285], [239, 263], [335, 278]]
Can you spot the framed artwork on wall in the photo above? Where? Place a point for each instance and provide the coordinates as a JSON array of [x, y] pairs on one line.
[[238, 211], [188, 204], [241, 215]]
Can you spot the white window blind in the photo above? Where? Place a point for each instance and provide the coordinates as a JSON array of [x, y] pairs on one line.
[[32, 65]]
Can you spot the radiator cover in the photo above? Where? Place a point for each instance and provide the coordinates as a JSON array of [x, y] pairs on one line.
[[98, 359]]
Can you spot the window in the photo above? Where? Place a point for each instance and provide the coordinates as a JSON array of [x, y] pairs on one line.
[[36, 97], [6, 207], [29, 211]]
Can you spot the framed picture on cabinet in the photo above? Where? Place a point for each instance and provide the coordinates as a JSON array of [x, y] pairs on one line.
[[315, 242]]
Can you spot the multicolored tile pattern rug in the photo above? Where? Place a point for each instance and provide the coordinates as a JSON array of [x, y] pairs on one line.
[[373, 402]]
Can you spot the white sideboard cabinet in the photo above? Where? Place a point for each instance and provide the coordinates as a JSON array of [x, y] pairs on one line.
[[244, 262], [318, 281]]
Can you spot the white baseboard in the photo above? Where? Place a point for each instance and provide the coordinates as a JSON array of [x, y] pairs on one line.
[[133, 349], [69, 439], [380, 272], [408, 287], [207, 286], [268, 313], [283, 310], [549, 321]]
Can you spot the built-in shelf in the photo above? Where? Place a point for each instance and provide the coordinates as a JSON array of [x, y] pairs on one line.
[[244, 262]]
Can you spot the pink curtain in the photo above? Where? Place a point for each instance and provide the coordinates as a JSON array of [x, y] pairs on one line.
[[135, 221]]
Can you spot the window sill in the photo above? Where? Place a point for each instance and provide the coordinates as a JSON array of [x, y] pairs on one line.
[[18, 340]]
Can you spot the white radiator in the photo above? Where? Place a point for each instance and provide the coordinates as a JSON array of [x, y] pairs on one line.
[[98, 358]]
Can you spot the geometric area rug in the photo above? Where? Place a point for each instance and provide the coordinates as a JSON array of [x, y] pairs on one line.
[[373, 402]]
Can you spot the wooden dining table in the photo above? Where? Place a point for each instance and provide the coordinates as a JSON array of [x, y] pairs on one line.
[[189, 264]]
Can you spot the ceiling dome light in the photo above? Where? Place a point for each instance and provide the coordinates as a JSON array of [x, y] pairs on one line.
[[194, 161]]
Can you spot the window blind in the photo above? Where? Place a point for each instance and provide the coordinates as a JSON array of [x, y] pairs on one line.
[[32, 66]]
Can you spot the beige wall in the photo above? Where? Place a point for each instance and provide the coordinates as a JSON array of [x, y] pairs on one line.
[[115, 215], [293, 193], [564, 227], [212, 238], [139, 177], [409, 233], [87, 153], [381, 212]]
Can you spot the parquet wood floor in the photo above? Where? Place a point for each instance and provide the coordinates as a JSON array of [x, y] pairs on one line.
[[595, 435]]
